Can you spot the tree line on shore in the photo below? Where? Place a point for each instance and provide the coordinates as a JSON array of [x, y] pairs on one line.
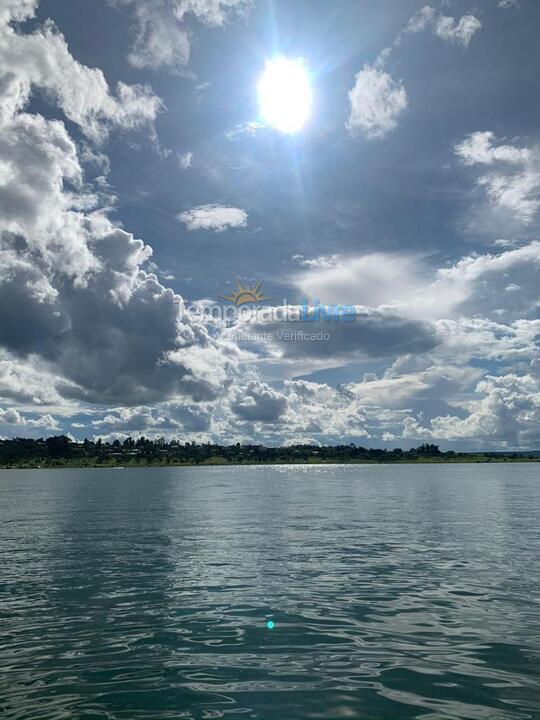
[[61, 450]]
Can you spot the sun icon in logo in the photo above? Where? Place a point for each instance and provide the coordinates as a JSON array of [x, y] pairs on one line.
[[245, 294]]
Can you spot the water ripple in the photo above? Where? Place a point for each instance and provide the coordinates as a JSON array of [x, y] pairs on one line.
[[396, 592]]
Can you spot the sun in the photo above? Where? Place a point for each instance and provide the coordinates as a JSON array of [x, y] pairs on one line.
[[285, 95]]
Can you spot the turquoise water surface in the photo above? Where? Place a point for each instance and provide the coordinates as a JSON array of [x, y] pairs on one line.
[[395, 592]]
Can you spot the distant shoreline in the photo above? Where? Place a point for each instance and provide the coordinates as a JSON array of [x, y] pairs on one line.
[[474, 460], [61, 451]]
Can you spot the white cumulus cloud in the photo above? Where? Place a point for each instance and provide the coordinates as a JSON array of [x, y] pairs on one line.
[[213, 217], [376, 103], [447, 28], [457, 31], [513, 182], [42, 59], [185, 160], [162, 37]]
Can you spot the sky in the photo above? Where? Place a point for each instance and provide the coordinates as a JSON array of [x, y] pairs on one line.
[[392, 235]]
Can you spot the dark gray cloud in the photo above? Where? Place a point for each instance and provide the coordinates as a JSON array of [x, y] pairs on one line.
[[370, 333], [167, 418], [258, 402]]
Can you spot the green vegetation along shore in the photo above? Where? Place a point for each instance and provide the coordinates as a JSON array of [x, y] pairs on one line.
[[60, 451]]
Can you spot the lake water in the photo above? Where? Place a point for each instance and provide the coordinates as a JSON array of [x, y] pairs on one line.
[[397, 592]]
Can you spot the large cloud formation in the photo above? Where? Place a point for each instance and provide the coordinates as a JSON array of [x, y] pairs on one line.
[[73, 295]]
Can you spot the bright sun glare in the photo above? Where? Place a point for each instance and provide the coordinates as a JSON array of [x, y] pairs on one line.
[[285, 94]]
